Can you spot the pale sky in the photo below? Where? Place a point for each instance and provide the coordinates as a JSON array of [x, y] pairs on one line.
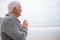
[[37, 12]]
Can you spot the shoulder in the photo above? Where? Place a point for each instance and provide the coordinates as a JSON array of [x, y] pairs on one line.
[[8, 19]]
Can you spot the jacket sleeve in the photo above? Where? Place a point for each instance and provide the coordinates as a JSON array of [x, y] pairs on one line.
[[14, 32]]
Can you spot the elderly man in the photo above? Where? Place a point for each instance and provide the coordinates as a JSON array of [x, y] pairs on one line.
[[11, 28]]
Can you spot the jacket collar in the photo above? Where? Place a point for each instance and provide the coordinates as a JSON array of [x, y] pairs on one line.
[[10, 14]]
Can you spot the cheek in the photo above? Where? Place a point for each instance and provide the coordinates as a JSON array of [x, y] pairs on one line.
[[19, 12]]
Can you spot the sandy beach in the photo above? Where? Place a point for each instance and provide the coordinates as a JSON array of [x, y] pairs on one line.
[[44, 33]]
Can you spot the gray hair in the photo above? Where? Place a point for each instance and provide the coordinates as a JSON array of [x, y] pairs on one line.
[[12, 5]]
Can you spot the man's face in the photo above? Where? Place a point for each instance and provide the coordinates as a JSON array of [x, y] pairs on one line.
[[18, 10]]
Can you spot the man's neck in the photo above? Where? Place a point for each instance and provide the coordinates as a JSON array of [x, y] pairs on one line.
[[14, 14]]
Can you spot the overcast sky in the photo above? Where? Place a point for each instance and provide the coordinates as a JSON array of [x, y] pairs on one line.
[[37, 12]]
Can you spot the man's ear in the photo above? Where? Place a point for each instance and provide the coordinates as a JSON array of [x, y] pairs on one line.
[[14, 9]]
